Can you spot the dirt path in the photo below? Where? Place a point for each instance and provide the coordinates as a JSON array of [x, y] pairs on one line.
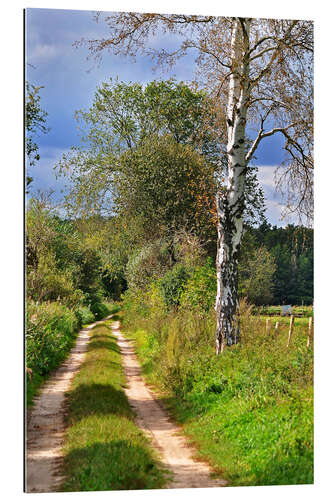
[[174, 451], [45, 423]]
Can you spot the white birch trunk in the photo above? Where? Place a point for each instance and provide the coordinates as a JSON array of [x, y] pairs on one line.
[[230, 203]]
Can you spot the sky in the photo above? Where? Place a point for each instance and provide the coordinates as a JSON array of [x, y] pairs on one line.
[[70, 80]]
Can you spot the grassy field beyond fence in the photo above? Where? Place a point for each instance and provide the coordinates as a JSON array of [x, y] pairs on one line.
[[299, 311]]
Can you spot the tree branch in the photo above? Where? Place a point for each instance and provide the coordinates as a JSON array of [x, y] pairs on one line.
[[261, 135], [274, 55]]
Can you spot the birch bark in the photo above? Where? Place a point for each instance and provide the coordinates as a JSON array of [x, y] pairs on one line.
[[230, 202]]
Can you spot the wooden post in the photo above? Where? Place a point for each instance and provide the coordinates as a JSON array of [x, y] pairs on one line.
[[267, 325], [309, 332], [291, 326], [276, 326]]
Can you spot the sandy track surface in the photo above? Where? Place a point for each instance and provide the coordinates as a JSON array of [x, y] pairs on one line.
[[45, 423], [174, 451]]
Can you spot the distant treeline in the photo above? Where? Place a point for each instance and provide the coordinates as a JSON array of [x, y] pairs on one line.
[[291, 250], [83, 262]]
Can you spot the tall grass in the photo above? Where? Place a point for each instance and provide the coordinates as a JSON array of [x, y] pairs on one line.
[[250, 410]]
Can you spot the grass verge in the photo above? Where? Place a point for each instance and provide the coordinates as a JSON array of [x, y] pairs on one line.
[[249, 412], [104, 450]]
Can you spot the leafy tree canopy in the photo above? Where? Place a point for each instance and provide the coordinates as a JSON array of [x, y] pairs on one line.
[[35, 121], [122, 121]]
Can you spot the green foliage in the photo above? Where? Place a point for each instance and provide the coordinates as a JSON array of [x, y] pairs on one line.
[[124, 116], [65, 260], [135, 112], [84, 315], [35, 120], [137, 141], [133, 300], [51, 329], [99, 309], [64, 265], [47, 283], [200, 289], [256, 276], [50, 332], [149, 261], [286, 251], [167, 184], [172, 284], [104, 449], [292, 250]]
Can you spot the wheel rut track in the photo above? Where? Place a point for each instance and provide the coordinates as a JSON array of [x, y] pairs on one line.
[[174, 451], [45, 422]]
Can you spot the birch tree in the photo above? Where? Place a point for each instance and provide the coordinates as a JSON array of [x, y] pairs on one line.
[[260, 71]]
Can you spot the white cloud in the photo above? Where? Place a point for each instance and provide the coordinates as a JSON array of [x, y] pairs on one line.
[[274, 213], [43, 173], [266, 175], [274, 201], [42, 52]]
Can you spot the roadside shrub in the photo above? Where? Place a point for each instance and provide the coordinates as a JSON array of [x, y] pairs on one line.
[[200, 289], [148, 262], [50, 332], [94, 300], [47, 283], [84, 315], [100, 310], [134, 302], [172, 284]]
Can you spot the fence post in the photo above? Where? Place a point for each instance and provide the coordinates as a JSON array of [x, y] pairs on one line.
[[290, 329], [267, 325], [276, 326], [309, 332]]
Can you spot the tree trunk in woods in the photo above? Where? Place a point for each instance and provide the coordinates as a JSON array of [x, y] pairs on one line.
[[230, 203]]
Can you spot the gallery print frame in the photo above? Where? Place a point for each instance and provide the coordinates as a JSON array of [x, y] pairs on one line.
[[252, 53]]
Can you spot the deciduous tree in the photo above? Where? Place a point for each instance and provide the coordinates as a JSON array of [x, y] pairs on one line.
[[35, 121]]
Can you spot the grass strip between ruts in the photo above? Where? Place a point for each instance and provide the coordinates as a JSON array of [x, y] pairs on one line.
[[104, 449]]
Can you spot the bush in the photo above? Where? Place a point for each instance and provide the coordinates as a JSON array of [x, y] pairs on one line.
[[47, 283], [200, 289], [94, 301], [100, 310], [172, 284], [148, 262], [84, 315], [50, 332]]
